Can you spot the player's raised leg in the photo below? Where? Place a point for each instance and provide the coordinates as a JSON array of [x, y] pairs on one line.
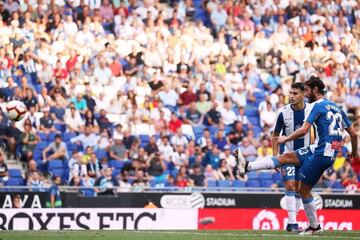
[[269, 163]]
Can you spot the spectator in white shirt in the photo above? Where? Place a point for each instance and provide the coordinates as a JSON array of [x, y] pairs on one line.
[[227, 114], [179, 139], [166, 149], [86, 139], [102, 73], [73, 120], [169, 97]]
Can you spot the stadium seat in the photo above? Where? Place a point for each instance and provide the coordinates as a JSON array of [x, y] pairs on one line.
[[88, 192], [266, 183], [276, 177], [15, 182], [212, 183], [144, 139], [265, 175], [252, 175], [58, 172], [100, 154], [338, 185], [224, 183], [15, 173], [198, 131], [253, 183], [116, 164], [43, 136], [41, 145], [60, 127], [56, 163], [239, 183], [51, 137], [67, 136]]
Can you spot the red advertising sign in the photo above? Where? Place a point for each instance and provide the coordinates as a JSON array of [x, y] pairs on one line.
[[274, 219]]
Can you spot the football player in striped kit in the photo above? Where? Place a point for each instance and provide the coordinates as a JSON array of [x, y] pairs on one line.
[[290, 118]]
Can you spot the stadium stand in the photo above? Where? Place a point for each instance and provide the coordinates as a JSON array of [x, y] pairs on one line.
[[115, 74]]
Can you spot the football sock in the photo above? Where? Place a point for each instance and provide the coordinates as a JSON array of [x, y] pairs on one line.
[[270, 163], [291, 206], [310, 210], [298, 202]]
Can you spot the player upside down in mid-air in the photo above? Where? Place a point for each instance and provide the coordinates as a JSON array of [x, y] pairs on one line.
[[289, 119], [329, 121]]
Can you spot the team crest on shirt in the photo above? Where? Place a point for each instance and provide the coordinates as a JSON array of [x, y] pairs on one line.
[[283, 172], [297, 127]]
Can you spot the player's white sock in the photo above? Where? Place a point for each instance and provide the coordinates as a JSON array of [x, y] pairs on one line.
[[309, 206], [263, 164], [291, 205], [298, 202]]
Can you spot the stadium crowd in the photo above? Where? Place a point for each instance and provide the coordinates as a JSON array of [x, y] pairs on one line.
[[138, 93]]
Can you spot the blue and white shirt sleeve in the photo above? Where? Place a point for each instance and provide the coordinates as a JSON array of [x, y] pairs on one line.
[[279, 122], [314, 113]]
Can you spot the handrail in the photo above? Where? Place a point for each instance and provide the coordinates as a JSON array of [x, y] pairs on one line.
[[175, 189]]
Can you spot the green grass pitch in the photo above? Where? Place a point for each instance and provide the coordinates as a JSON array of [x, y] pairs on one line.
[[170, 235]]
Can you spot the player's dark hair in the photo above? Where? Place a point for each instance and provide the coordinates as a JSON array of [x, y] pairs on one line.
[[316, 82], [298, 85]]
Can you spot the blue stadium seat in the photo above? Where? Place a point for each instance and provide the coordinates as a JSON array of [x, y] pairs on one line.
[[198, 131], [43, 136], [41, 145], [88, 192], [338, 185], [67, 136], [266, 183], [212, 183], [224, 183], [60, 127], [144, 139], [265, 175], [15, 182], [15, 173], [251, 111], [101, 154], [56, 163], [51, 137], [252, 175], [254, 120], [277, 177], [116, 164], [253, 183], [239, 183], [58, 172]]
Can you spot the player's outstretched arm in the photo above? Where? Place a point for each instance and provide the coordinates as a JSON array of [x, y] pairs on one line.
[[295, 135], [354, 141]]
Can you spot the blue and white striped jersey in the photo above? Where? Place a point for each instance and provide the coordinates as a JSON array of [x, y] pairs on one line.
[[329, 121], [288, 121]]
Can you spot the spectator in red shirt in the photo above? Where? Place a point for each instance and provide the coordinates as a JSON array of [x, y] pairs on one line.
[[174, 123], [60, 72], [71, 62], [188, 96], [116, 67]]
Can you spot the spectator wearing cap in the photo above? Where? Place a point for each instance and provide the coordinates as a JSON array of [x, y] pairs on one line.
[[118, 150], [46, 122], [57, 150]]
